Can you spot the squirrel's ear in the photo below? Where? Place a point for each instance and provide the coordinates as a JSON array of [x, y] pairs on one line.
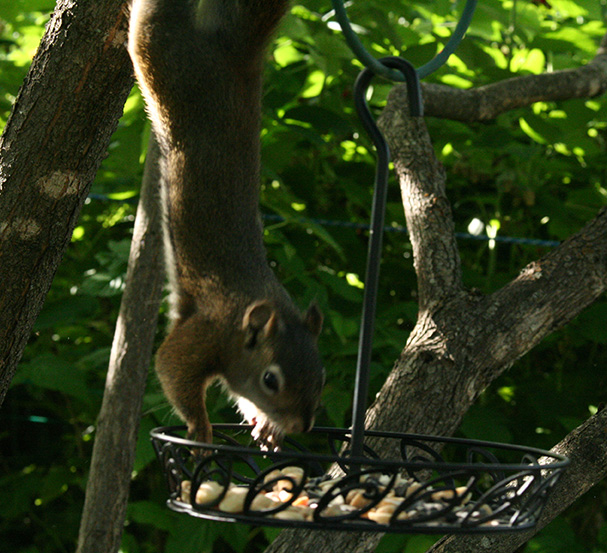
[[313, 319], [260, 317]]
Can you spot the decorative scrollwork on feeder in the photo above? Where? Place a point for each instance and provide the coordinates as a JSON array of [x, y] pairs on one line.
[[496, 487]]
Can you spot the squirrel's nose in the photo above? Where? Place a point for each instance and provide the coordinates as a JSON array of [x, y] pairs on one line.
[[300, 424]]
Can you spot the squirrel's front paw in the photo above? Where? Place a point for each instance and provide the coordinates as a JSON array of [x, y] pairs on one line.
[[200, 433]]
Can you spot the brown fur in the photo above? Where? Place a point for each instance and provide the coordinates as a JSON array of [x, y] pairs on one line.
[[199, 66]]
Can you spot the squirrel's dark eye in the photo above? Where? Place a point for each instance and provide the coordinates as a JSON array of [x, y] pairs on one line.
[[270, 381]]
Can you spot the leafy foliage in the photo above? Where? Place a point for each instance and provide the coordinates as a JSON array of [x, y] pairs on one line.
[[538, 172]]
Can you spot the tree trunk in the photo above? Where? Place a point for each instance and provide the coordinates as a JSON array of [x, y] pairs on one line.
[[53, 144], [116, 433]]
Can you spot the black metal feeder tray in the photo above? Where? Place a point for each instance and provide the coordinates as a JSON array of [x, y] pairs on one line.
[[339, 480], [428, 485]]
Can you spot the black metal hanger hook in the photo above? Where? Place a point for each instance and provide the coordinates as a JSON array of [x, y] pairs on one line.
[[414, 94], [365, 343]]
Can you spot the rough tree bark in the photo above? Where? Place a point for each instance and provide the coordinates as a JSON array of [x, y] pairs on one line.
[[109, 478], [487, 102], [463, 340], [52, 146]]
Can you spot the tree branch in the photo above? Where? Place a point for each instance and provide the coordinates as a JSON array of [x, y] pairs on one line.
[[586, 448], [52, 146], [114, 449], [487, 102], [427, 209], [546, 295]]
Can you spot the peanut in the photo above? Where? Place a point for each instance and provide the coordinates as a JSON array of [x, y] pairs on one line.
[[233, 502], [208, 492]]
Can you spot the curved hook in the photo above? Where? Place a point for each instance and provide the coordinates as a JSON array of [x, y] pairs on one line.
[[411, 78], [453, 43], [357, 46], [414, 92], [385, 71]]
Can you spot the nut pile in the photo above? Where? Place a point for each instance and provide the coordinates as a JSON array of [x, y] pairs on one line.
[[435, 506]]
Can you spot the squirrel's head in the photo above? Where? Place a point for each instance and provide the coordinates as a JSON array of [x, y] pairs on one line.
[[278, 374]]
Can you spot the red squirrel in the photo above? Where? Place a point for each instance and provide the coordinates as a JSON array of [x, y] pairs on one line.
[[199, 65]]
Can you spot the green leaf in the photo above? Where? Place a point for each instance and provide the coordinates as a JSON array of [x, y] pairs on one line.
[[55, 484], [150, 512], [340, 286], [338, 403], [322, 119], [574, 36], [591, 324], [193, 535], [557, 537], [144, 453], [190, 535], [12, 9], [22, 488], [345, 327], [541, 131], [486, 423], [66, 311], [50, 372]]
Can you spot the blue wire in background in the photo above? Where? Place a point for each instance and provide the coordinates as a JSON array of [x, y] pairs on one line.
[[365, 227]]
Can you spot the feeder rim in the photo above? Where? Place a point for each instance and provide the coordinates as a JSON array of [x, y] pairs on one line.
[[167, 433]]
